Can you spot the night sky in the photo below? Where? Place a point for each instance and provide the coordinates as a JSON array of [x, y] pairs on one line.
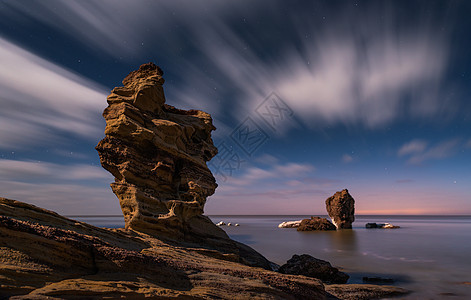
[[308, 97]]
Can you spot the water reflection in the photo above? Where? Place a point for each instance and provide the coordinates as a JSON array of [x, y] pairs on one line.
[[343, 240]]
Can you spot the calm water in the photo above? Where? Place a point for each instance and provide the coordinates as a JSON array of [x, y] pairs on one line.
[[430, 255]]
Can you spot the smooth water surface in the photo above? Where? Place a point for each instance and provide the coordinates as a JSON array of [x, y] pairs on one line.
[[430, 255]]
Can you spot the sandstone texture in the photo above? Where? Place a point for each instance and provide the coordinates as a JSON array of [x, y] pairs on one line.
[[316, 223], [341, 209], [312, 267], [157, 154], [363, 291], [43, 254]]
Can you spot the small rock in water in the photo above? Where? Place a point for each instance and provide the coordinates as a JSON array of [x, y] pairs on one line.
[[229, 224], [367, 279], [290, 224], [221, 223], [384, 226], [237, 224], [389, 226]]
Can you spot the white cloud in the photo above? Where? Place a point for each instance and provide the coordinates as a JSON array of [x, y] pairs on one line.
[[11, 170], [39, 99], [418, 152], [286, 172], [415, 146], [370, 74], [78, 189], [71, 199], [118, 28]]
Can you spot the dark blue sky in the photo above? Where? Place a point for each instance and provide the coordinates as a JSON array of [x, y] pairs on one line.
[[309, 97]]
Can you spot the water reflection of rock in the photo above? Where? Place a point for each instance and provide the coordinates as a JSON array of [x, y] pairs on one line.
[[344, 240]]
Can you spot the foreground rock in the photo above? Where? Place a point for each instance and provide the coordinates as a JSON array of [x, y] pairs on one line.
[[363, 291], [315, 223], [341, 209], [290, 224], [312, 267], [381, 225], [43, 254], [158, 156]]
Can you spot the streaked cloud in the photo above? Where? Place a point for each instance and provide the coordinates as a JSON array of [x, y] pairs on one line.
[[11, 170], [70, 199], [41, 100], [280, 171], [369, 74], [415, 146], [418, 151], [69, 189]]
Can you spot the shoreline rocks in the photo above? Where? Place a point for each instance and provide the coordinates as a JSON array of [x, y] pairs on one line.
[[312, 267], [46, 255]]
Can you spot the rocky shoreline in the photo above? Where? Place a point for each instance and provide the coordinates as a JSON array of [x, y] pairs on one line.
[[44, 255], [168, 248]]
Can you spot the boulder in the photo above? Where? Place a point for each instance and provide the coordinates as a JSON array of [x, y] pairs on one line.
[[312, 267], [341, 209], [315, 223]]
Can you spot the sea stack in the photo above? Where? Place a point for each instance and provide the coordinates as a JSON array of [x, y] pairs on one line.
[[157, 154], [341, 209]]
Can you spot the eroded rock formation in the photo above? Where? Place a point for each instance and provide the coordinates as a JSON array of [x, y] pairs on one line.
[[157, 154], [341, 209]]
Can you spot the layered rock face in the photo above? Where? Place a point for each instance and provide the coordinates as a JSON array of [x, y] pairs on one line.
[[157, 154], [341, 209]]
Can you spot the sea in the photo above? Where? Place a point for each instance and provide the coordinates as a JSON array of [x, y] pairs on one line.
[[428, 255]]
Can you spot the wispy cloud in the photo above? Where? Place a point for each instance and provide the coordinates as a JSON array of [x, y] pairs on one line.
[[11, 170], [415, 146], [70, 189], [418, 151], [286, 172], [468, 144], [40, 100], [71, 199], [368, 74]]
